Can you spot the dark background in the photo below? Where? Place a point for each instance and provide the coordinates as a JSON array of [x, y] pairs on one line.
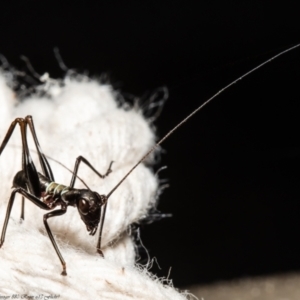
[[234, 167]]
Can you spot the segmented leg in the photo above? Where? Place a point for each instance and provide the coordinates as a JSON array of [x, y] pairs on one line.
[[27, 164], [101, 229], [41, 205], [50, 215], [80, 159], [22, 216]]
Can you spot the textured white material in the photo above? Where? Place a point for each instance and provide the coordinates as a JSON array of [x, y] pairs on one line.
[[82, 118]]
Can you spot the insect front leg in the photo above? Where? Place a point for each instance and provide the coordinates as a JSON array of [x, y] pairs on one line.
[[50, 215], [28, 166], [78, 161]]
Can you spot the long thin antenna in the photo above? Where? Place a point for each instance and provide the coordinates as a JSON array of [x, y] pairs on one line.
[[196, 110]]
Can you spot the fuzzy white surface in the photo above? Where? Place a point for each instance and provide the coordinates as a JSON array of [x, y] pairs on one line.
[[82, 118]]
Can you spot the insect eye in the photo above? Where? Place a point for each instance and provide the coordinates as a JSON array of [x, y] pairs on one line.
[[83, 206]]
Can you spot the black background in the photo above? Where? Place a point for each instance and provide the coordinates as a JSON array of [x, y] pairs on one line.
[[234, 167]]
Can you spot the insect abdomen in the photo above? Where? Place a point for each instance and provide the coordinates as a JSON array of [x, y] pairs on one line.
[[20, 180], [52, 188], [56, 189]]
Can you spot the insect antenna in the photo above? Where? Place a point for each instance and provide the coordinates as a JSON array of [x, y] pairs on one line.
[[196, 110]]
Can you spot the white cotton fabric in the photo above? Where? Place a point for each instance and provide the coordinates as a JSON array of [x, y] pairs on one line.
[[81, 118]]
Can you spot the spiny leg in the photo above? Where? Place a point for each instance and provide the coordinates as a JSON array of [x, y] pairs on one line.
[[78, 161], [28, 196], [50, 215]]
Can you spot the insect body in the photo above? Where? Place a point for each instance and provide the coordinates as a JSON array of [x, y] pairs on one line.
[[44, 192]]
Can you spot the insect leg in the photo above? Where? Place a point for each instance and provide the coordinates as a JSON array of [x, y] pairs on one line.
[[78, 161], [22, 217], [50, 215], [28, 196], [8, 135], [43, 160], [109, 170], [33, 182], [27, 164], [101, 229], [3, 145]]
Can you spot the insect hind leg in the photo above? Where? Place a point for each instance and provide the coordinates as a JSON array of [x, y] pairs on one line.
[[28, 167], [109, 170], [27, 164], [55, 213]]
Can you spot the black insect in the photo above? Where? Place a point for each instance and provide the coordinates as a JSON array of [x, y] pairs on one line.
[[42, 190]]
